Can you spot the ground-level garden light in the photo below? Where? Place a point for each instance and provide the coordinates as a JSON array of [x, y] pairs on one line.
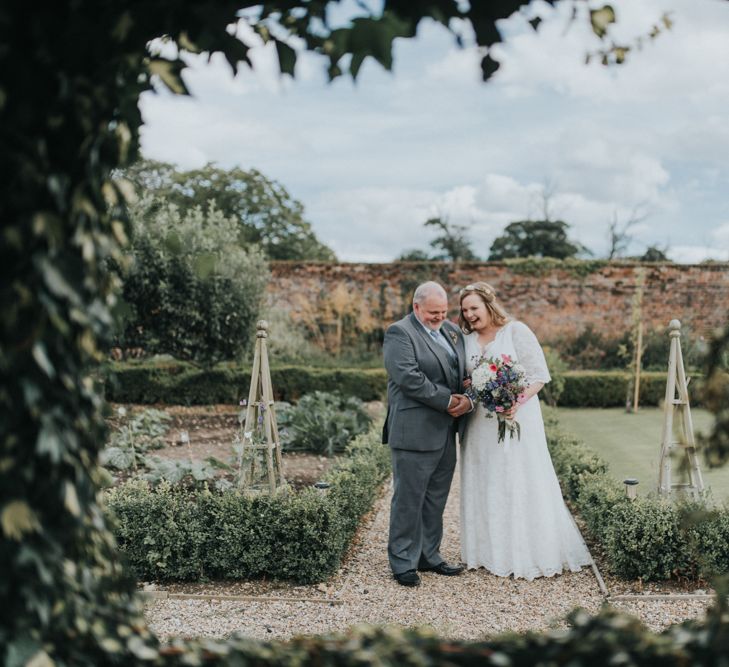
[[631, 487]]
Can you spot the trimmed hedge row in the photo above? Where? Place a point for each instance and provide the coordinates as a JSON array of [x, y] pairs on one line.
[[649, 538], [607, 389], [168, 533], [608, 638], [179, 383]]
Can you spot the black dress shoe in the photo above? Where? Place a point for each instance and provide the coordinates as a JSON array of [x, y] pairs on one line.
[[444, 569], [408, 578]]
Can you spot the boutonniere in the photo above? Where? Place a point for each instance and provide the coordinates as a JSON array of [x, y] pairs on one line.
[[454, 337]]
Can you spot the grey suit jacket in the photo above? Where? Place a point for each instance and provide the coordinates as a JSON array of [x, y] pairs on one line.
[[419, 385]]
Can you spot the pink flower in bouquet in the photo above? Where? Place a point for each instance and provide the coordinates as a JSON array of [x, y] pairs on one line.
[[499, 384]]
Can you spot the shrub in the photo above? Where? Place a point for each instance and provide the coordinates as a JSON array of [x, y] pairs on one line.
[[135, 436], [322, 422], [180, 383], [573, 461], [590, 349], [650, 538], [169, 532], [605, 389], [708, 535], [192, 290], [643, 539], [557, 368]]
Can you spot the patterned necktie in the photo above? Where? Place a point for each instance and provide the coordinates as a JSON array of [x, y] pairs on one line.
[[435, 335]]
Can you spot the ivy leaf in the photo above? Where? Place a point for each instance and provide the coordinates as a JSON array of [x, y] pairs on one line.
[[235, 52], [70, 500], [18, 518], [41, 358], [286, 57], [49, 442], [355, 64], [20, 651], [534, 23], [169, 72], [488, 67], [57, 283], [140, 649], [122, 27], [601, 19], [40, 659]]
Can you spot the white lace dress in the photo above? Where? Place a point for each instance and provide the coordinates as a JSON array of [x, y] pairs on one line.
[[513, 517]]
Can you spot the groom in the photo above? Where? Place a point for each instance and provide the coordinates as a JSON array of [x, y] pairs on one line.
[[424, 358]]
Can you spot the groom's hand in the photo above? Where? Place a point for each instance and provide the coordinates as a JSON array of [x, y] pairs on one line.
[[459, 405]]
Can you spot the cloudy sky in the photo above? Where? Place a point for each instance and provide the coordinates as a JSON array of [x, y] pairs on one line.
[[372, 160]]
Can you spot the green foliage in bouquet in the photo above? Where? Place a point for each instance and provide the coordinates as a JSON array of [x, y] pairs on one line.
[[322, 422]]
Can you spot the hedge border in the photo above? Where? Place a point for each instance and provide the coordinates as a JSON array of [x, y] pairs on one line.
[[649, 538], [168, 533], [179, 383]]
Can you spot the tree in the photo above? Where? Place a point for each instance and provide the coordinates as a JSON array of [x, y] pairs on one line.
[[69, 117], [267, 214], [452, 244], [619, 234], [654, 254], [413, 256], [193, 291], [535, 238]]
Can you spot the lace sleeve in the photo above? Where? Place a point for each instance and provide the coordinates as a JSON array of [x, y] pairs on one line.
[[529, 353]]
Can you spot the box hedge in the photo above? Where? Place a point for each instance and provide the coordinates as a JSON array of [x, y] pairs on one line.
[[179, 383], [170, 533], [649, 538]]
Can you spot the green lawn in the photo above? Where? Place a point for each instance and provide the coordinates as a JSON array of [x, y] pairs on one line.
[[631, 443]]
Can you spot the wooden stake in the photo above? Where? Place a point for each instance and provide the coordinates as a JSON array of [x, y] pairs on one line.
[[638, 360], [261, 416], [684, 441]]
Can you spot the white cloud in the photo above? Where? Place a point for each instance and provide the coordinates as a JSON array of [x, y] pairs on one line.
[[372, 161], [373, 224], [694, 254]]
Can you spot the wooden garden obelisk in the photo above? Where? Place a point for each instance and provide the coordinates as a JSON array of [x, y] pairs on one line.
[[678, 436], [261, 430]]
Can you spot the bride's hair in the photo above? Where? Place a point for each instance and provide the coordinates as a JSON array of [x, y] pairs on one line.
[[499, 316]]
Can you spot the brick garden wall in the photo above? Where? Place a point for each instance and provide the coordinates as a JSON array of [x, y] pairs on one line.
[[554, 298]]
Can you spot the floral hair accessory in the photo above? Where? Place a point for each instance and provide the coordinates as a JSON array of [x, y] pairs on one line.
[[487, 293]]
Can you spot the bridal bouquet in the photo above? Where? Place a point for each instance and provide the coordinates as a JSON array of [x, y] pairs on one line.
[[498, 384]]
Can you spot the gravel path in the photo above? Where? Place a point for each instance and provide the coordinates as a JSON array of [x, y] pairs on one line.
[[471, 606]]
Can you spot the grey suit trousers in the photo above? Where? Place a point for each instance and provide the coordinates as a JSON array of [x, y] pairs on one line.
[[422, 481]]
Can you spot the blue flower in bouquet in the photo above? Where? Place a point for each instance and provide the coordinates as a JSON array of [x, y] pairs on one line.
[[498, 383]]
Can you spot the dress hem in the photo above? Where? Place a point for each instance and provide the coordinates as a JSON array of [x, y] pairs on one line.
[[530, 576]]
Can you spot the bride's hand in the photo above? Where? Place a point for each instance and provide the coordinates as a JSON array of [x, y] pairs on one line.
[[510, 414], [466, 382]]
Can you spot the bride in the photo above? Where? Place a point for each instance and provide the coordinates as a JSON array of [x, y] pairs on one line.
[[513, 517]]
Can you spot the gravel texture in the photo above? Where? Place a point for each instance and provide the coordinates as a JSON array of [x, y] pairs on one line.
[[471, 606]]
